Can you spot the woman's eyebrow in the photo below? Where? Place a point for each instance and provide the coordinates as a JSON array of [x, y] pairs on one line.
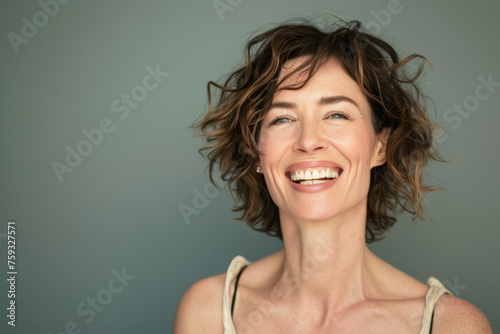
[[322, 101]]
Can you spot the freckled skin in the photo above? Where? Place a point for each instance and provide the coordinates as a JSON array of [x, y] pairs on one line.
[[309, 132]]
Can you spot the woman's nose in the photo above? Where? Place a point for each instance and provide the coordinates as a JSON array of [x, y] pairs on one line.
[[310, 138]]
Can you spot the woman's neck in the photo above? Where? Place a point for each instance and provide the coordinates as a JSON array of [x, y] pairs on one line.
[[326, 265]]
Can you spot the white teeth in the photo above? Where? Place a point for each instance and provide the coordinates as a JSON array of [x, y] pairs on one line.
[[314, 175]]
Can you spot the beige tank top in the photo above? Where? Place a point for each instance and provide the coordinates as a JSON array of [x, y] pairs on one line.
[[436, 289]]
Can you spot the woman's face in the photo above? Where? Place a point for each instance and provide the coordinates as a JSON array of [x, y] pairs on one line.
[[312, 134]]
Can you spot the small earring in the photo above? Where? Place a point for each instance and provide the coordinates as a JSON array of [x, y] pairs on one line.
[[258, 170]]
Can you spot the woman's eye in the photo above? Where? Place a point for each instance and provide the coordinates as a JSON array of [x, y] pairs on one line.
[[281, 119], [338, 115]]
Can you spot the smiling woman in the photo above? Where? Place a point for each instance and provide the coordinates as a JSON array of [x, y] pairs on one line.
[[324, 127], [322, 136]]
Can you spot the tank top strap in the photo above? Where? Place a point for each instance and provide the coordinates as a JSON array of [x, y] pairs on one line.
[[234, 268], [436, 290]]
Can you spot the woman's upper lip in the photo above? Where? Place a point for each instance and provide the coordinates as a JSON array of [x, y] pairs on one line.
[[312, 164]]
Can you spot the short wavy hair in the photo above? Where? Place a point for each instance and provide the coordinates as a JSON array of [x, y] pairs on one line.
[[231, 126]]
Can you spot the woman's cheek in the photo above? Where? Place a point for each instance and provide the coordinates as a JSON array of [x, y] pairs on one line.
[[275, 138]]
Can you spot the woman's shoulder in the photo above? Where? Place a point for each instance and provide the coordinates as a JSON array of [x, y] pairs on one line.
[[456, 315], [199, 309], [451, 314]]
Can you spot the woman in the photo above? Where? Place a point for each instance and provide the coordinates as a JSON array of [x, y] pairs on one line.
[[322, 135]]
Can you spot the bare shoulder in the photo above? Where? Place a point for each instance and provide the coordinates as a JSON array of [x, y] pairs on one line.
[[455, 315], [200, 308]]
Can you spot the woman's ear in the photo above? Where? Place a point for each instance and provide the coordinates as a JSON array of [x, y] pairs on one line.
[[379, 156]]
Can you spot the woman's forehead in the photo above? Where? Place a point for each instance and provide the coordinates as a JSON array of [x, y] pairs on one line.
[[330, 78]]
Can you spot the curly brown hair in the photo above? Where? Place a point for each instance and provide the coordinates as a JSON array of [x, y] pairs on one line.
[[231, 126]]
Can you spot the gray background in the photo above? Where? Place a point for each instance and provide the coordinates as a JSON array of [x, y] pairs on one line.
[[119, 208]]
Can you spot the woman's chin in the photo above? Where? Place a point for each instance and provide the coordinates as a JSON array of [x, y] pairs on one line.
[[311, 215]]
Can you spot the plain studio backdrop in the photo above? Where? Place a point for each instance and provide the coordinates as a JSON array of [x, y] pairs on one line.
[[114, 214]]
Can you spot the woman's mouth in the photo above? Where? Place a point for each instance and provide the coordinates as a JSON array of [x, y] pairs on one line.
[[316, 175]]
